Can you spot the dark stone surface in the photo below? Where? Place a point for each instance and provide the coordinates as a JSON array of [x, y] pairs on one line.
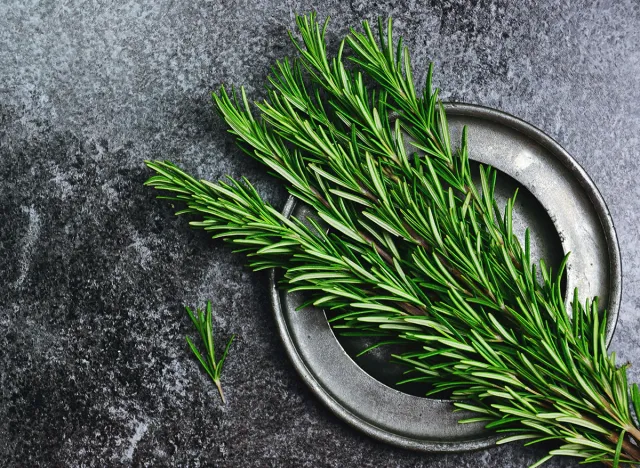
[[94, 370]]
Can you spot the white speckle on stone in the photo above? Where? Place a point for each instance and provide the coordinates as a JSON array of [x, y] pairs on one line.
[[174, 378], [62, 184], [112, 195], [30, 238], [142, 250], [141, 428]]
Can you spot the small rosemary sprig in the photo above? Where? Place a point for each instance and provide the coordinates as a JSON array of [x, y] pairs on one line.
[[203, 323], [415, 252]]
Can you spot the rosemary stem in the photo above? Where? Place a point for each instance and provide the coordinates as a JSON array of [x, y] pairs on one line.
[[217, 382], [634, 432], [631, 451]]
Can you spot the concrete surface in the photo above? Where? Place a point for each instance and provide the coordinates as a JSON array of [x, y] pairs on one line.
[[94, 370]]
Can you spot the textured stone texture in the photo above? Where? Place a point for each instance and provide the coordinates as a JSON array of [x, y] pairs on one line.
[[94, 370]]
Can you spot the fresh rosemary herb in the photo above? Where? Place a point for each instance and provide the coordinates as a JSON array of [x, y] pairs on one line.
[[415, 252], [204, 326]]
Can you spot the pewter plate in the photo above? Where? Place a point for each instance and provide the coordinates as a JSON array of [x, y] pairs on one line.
[[565, 213]]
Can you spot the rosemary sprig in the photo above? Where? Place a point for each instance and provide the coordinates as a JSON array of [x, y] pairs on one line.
[[414, 250], [483, 362], [204, 326]]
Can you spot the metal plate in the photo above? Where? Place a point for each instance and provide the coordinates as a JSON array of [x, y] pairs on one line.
[[565, 213]]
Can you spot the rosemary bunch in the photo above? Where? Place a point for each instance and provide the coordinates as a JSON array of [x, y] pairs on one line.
[[406, 247]]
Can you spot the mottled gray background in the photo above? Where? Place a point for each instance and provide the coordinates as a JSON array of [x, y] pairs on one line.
[[94, 370]]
